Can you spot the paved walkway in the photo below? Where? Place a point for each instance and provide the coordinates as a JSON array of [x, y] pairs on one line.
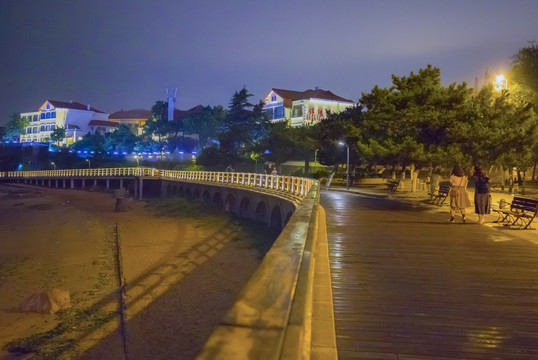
[[407, 284]]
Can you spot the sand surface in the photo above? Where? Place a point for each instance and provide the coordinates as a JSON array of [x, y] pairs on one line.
[[181, 275]]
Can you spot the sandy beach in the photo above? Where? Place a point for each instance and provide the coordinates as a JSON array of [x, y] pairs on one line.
[[181, 274]]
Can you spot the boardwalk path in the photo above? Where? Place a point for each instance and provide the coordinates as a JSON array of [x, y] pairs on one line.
[[409, 285]]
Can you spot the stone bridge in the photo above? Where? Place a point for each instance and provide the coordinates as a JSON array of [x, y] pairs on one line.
[[272, 317]]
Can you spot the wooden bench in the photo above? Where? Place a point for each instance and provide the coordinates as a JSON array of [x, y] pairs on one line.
[[392, 185], [438, 197], [521, 212]]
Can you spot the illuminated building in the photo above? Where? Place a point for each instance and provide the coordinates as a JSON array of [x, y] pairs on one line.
[[306, 107]]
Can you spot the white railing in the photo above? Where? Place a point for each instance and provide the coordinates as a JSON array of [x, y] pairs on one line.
[[288, 184]]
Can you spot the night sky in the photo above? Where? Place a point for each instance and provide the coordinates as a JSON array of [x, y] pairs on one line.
[[119, 54]]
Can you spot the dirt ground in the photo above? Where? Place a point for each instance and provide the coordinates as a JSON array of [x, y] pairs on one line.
[[181, 274]]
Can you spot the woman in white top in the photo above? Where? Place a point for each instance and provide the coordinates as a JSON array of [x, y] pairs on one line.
[[459, 200]]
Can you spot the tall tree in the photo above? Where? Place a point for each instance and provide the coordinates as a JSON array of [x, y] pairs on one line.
[[16, 127], [244, 123], [524, 81], [205, 123], [58, 135], [157, 125], [524, 73]]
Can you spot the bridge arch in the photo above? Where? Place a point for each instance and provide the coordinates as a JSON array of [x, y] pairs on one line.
[[288, 217], [196, 194], [217, 199], [244, 207], [275, 221], [260, 215], [229, 204], [206, 196]]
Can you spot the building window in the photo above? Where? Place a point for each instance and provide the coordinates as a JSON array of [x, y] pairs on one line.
[[48, 106], [29, 130], [53, 115], [273, 97], [42, 128], [279, 112], [35, 117], [47, 116], [297, 111], [42, 115], [52, 127]]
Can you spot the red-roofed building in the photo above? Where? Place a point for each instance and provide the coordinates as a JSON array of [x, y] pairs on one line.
[[134, 119], [102, 127], [303, 107], [73, 116], [137, 118]]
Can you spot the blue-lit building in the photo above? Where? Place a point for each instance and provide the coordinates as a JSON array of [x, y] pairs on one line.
[[73, 116]]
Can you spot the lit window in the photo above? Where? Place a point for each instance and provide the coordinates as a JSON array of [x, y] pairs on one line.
[[279, 112], [297, 111]]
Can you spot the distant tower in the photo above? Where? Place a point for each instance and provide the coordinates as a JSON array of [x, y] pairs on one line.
[[171, 104]]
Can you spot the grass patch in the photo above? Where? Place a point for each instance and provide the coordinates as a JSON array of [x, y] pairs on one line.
[[40, 207], [181, 207], [61, 340]]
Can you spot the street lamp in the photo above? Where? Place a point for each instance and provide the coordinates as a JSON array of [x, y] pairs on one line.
[[89, 163], [347, 164], [500, 83], [53, 164], [315, 157], [137, 162]]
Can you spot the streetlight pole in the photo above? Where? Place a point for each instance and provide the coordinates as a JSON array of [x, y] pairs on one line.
[[89, 163], [137, 162], [347, 164], [316, 157], [53, 164]]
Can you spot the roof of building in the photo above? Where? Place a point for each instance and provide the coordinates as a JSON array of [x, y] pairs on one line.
[[103, 123], [290, 95], [180, 114], [71, 105], [131, 114], [146, 114]]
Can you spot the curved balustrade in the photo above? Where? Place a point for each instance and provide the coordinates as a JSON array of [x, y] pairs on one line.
[[289, 184]]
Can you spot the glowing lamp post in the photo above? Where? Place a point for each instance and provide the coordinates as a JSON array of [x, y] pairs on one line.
[[137, 162], [347, 164], [500, 83], [89, 163], [53, 164]]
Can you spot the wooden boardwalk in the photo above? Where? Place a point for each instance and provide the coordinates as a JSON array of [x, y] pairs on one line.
[[407, 284]]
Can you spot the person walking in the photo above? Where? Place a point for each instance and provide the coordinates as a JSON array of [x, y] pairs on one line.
[[482, 196], [459, 200]]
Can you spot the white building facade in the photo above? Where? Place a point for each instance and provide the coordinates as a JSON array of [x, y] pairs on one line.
[[303, 108], [73, 116]]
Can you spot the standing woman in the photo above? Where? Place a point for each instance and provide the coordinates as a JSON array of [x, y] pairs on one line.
[[482, 197], [459, 200]]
